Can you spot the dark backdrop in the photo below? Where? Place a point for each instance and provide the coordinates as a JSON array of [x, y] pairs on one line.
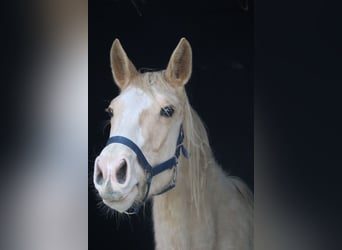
[[220, 89]]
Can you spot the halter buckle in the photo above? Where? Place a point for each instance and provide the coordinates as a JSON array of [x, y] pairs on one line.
[[175, 173]]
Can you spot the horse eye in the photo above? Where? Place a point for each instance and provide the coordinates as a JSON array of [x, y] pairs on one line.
[[110, 112], [167, 111]]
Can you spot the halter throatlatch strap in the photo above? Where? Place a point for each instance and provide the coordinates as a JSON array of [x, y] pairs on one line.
[[150, 171]]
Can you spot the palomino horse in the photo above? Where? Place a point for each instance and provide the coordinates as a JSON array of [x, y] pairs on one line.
[[158, 147]]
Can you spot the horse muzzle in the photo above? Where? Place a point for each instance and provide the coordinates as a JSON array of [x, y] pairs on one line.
[[115, 183]]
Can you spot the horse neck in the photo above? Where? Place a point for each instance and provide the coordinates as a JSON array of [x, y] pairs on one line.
[[177, 199]]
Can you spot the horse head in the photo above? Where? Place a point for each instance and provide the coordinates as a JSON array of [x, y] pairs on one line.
[[146, 136]]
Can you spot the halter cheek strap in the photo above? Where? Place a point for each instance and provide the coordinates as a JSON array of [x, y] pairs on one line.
[[153, 171]]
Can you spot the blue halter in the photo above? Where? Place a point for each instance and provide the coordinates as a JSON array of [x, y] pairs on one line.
[[153, 171]]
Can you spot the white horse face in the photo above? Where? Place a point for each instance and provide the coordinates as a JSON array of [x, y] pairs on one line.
[[150, 116], [119, 177]]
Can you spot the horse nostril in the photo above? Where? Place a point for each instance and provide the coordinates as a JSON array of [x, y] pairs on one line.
[[121, 173], [99, 176]]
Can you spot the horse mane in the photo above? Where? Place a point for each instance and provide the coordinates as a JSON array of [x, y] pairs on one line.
[[197, 143]]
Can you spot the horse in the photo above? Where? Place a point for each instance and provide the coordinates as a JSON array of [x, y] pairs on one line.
[[158, 149]]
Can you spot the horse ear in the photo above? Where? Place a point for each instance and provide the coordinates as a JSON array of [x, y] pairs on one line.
[[122, 68], [179, 69]]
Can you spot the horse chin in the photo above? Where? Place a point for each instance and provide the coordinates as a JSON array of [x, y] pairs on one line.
[[124, 204]]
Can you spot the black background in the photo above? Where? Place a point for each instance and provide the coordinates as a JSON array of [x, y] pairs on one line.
[[220, 89]]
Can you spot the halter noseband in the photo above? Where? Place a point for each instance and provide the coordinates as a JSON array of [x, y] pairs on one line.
[[150, 171]]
